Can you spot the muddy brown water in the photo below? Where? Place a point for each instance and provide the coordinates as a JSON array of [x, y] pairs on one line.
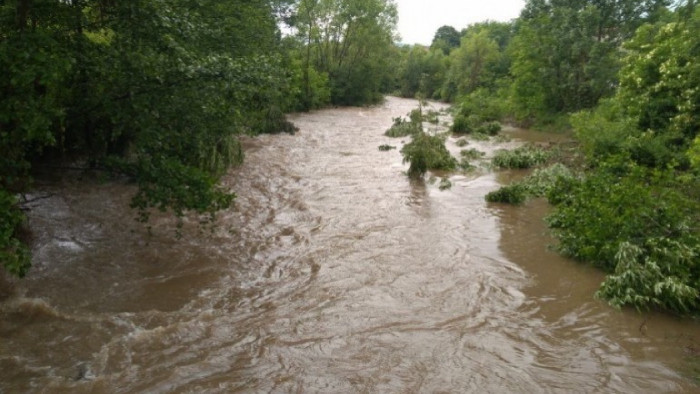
[[333, 274]]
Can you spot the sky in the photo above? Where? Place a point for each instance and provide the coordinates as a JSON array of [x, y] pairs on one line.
[[420, 19]]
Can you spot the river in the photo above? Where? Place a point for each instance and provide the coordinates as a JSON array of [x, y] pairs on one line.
[[333, 273]]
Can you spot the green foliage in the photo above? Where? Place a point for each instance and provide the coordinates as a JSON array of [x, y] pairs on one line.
[[576, 58], [466, 156], [14, 254], [445, 184], [385, 148], [658, 85], [427, 152], [661, 273], [403, 128], [350, 41], [538, 184], [511, 194], [489, 128], [421, 72], [465, 124], [432, 117], [158, 91], [472, 64], [446, 39], [694, 153], [479, 112], [542, 181], [471, 154], [523, 157], [638, 225], [480, 62], [635, 212], [310, 88], [620, 202]]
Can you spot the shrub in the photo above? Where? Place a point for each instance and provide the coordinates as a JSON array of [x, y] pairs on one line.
[[538, 184], [524, 157], [14, 254], [462, 142], [543, 180], [621, 204], [656, 273], [480, 137], [511, 194], [402, 128], [427, 152], [465, 165], [471, 154], [432, 117], [445, 184], [489, 128], [385, 148], [465, 124]]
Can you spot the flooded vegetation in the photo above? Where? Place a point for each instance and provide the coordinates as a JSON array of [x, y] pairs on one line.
[[333, 272]]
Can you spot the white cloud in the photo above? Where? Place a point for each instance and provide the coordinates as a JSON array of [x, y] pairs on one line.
[[419, 19]]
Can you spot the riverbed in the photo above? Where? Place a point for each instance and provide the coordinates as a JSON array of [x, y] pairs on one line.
[[333, 273]]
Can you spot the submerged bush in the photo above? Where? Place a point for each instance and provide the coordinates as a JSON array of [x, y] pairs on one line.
[[655, 273], [511, 194], [385, 147], [489, 128], [402, 128], [445, 184], [432, 117], [465, 124], [462, 142], [523, 157], [427, 152], [14, 254], [537, 184], [471, 154], [479, 137]]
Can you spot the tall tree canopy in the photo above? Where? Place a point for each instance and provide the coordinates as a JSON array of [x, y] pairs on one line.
[[350, 41], [565, 53], [446, 39]]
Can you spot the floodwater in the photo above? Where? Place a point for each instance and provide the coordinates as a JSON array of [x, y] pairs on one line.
[[334, 273]]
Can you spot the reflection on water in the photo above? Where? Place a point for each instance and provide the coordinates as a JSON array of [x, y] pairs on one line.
[[333, 273]]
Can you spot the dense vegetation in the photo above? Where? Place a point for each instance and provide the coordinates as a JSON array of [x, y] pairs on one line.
[[624, 76], [159, 91]]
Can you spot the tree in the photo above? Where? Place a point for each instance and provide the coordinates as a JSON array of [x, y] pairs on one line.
[[574, 60], [350, 41], [473, 62], [421, 72], [446, 39]]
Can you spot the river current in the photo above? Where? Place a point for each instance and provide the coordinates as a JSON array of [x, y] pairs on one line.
[[333, 273]]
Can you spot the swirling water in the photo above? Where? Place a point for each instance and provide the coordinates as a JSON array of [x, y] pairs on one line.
[[333, 273]]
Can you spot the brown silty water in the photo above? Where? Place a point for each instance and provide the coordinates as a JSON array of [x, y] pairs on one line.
[[333, 273]]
